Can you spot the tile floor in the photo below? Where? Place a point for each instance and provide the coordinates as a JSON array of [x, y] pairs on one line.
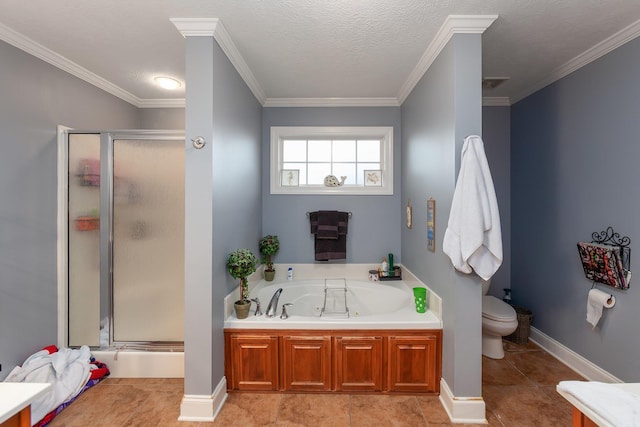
[[518, 390]]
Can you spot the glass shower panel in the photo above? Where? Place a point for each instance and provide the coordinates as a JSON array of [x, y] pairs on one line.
[[84, 239], [148, 240]]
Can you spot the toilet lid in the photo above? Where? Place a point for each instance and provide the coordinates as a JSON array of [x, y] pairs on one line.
[[495, 309]]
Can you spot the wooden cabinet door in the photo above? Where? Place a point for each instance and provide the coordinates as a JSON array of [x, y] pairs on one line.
[[254, 362], [358, 363], [306, 363], [414, 363]]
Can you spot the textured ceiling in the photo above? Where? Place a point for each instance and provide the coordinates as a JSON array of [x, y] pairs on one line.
[[313, 48]]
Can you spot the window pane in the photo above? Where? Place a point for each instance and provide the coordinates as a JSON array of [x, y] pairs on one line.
[[302, 167], [368, 151], [294, 150], [319, 151], [344, 151], [365, 166], [317, 172], [345, 169]]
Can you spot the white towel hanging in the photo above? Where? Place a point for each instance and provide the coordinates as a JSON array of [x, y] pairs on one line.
[[473, 239]]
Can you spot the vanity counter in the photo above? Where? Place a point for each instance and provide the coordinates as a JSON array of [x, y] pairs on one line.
[[15, 402]]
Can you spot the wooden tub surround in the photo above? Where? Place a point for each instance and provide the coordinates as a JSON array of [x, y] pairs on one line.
[[340, 361]]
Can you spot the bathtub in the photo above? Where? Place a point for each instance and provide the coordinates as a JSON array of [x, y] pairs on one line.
[[371, 305]]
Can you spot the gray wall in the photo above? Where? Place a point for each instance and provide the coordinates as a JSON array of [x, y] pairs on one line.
[[222, 201], [575, 171], [374, 229], [36, 97], [161, 118], [443, 108], [496, 135]]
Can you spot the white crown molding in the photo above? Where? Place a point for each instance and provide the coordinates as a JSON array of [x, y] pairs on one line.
[[161, 103], [39, 51], [607, 45], [454, 24], [331, 102], [496, 101], [196, 27], [213, 27]]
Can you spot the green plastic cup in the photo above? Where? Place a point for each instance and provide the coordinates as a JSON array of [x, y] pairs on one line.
[[420, 297]]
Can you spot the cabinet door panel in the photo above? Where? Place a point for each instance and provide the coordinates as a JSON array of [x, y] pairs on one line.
[[413, 364], [358, 363], [255, 362], [307, 363]]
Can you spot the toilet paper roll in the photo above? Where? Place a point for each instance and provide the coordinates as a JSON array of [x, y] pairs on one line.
[[596, 301]]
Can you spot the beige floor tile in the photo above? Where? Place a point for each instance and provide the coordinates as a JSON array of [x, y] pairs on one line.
[[248, 409], [501, 372], [541, 368], [518, 390], [386, 410], [525, 406], [432, 410], [103, 405], [318, 410]]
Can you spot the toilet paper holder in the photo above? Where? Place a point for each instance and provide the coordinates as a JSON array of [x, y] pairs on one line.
[[610, 300], [607, 258]]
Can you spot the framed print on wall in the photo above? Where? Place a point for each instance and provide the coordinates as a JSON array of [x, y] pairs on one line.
[[431, 225]]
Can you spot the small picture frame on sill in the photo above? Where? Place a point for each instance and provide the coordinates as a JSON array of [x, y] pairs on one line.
[[290, 178], [372, 178]]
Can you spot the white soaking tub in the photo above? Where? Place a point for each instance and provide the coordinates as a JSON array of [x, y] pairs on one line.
[[371, 305]]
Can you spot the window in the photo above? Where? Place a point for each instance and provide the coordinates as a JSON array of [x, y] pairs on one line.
[[302, 157]]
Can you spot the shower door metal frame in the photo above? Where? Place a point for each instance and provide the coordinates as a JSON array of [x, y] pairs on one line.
[[106, 239]]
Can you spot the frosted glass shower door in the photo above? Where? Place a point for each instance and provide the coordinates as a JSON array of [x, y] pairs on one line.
[[84, 240], [148, 240]]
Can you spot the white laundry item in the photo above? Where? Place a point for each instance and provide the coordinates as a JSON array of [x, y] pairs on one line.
[[617, 406], [67, 370], [473, 239]]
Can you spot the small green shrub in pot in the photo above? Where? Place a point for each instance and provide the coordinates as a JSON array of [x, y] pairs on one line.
[[241, 264], [269, 246]]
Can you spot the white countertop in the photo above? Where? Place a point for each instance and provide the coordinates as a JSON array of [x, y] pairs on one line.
[[628, 387], [14, 397]]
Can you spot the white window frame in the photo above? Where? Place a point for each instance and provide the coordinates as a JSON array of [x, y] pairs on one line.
[[384, 133]]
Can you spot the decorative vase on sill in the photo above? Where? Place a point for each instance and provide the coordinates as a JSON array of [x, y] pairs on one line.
[[269, 246], [240, 265]]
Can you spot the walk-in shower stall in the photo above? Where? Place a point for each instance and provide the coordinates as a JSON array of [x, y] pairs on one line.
[[125, 241]]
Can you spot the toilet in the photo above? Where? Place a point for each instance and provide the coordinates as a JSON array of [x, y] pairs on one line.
[[499, 319]]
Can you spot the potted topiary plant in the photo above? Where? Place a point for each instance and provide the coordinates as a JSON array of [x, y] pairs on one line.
[[269, 245], [241, 264]]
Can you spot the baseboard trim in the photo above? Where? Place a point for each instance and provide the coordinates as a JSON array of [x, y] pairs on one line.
[[467, 410], [195, 407], [584, 367]]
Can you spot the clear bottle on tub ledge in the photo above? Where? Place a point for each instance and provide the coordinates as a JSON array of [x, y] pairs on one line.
[[384, 267], [290, 273]]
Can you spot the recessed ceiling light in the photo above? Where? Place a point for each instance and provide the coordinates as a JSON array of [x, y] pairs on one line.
[[167, 83]]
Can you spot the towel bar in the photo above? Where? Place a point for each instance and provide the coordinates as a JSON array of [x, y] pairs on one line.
[[309, 213]]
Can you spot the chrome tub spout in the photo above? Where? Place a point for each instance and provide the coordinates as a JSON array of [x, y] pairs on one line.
[[272, 308]]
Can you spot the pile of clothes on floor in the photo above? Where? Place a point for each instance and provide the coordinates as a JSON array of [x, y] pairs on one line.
[[69, 371]]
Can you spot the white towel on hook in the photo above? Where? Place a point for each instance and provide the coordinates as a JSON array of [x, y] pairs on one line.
[[473, 239]]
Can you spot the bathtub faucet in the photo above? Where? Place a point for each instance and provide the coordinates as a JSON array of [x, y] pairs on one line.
[[272, 308]]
